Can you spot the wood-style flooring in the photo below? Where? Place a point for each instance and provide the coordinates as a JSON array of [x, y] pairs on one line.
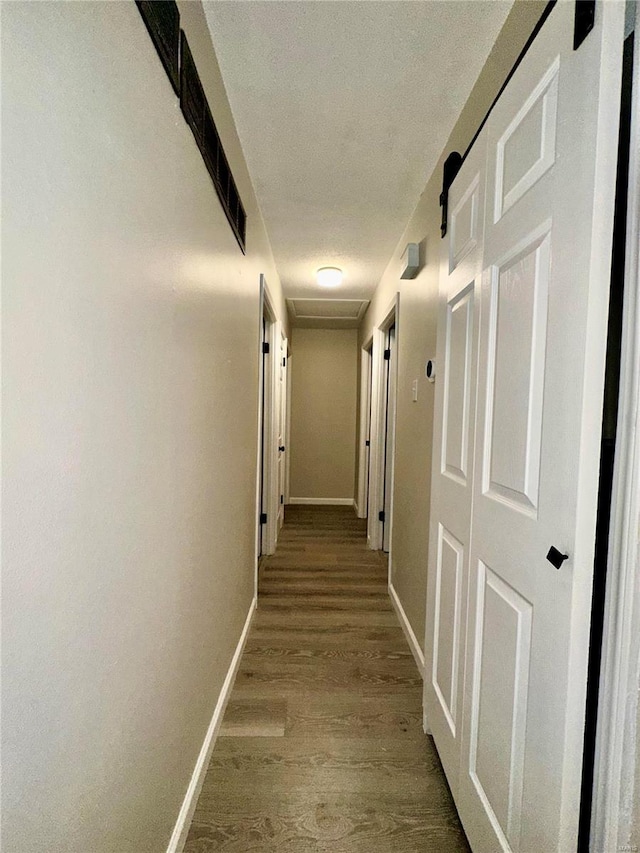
[[321, 747]]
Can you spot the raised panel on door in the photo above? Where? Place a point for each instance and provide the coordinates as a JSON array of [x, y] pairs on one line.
[[457, 385], [542, 341], [447, 626], [499, 689], [465, 223], [516, 320], [460, 276], [527, 147]]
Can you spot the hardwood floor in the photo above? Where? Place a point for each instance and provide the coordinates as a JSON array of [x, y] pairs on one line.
[[321, 747]]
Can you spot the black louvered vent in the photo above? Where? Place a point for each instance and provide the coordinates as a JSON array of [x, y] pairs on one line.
[[195, 108], [162, 19], [192, 99]]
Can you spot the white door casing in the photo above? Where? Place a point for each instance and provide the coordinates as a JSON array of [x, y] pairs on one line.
[[282, 425], [550, 145], [616, 799], [365, 430], [390, 436], [374, 526], [287, 437], [378, 427], [452, 472], [268, 496]]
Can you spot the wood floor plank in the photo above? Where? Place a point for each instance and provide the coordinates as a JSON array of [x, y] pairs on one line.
[[321, 747], [362, 717], [340, 653], [339, 823], [254, 719]]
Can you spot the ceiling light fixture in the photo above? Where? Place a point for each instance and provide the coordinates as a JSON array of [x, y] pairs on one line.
[[329, 276]]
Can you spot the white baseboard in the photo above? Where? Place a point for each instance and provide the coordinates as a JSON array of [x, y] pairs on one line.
[[183, 824], [414, 645], [322, 501]]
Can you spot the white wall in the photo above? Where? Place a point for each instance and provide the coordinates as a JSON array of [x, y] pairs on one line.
[[417, 324], [324, 396], [130, 371]]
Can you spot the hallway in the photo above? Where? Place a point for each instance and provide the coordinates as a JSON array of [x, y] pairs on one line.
[[321, 747]]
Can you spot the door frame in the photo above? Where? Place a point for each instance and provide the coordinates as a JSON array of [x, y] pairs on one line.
[[287, 438], [391, 398], [281, 424], [616, 739], [267, 469], [378, 431], [364, 452]]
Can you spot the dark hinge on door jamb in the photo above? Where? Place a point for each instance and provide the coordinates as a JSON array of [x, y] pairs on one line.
[[265, 347], [367, 443], [263, 518], [381, 515], [584, 21], [284, 362], [281, 499], [387, 355]]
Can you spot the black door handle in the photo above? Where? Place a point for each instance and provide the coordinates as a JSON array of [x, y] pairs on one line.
[[556, 558]]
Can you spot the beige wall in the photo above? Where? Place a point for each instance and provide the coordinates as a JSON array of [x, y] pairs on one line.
[[130, 371], [417, 332], [323, 412], [635, 830], [634, 794]]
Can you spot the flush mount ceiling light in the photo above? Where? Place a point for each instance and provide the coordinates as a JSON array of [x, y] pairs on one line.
[[329, 276]]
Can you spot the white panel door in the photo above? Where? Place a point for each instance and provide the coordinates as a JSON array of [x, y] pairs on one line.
[[551, 146], [451, 487]]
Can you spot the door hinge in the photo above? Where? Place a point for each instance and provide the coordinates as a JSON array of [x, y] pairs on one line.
[[284, 362], [281, 499], [367, 443], [263, 518], [265, 347], [381, 515], [584, 21], [387, 355]]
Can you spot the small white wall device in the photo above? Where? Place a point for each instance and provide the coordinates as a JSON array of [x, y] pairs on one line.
[[410, 261]]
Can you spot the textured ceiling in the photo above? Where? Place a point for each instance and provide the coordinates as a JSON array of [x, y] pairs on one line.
[[342, 109]]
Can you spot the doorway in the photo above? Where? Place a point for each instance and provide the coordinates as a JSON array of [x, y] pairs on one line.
[[282, 404], [384, 367], [364, 442], [271, 423], [390, 358]]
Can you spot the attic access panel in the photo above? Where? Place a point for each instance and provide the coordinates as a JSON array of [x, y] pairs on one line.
[[329, 313], [162, 20]]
